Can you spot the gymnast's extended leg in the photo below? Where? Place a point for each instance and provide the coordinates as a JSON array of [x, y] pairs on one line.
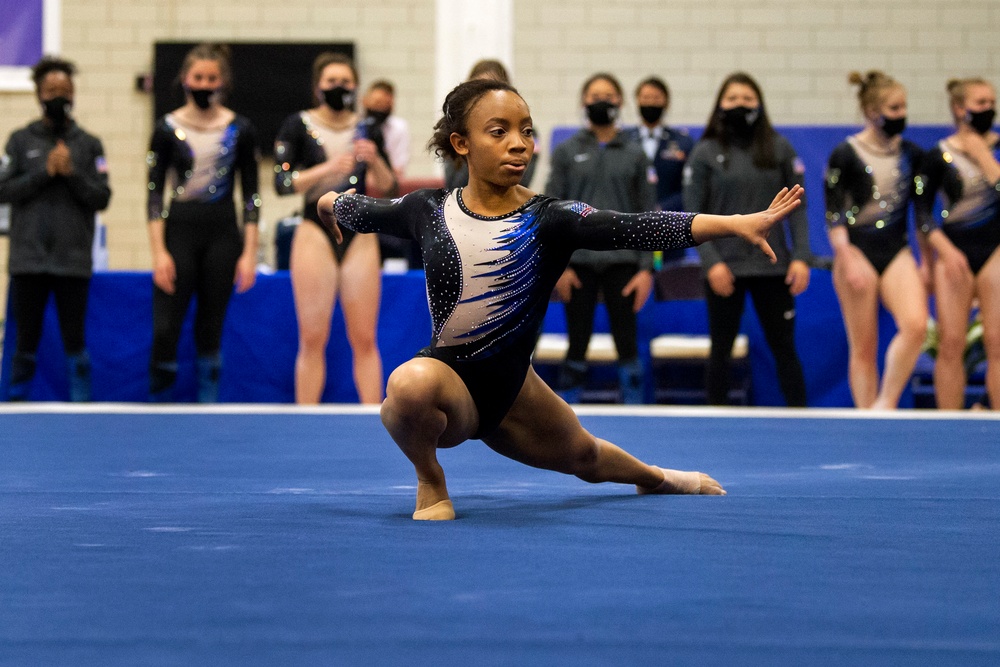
[[427, 407], [542, 431]]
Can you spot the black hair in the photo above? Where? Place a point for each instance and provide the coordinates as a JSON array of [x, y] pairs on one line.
[[602, 76], [762, 141], [655, 82], [49, 64], [455, 113]]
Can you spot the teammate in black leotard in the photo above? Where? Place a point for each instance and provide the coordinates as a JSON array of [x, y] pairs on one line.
[[493, 252], [870, 182], [321, 149], [197, 247], [965, 171]]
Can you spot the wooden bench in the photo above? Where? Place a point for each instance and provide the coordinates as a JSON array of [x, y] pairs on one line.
[[551, 348], [690, 353], [550, 352]]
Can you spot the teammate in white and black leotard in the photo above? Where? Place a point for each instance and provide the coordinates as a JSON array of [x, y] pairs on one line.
[[963, 171], [869, 189], [197, 151], [321, 149], [871, 181], [493, 252]]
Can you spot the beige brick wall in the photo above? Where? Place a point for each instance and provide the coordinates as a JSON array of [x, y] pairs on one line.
[[112, 41], [800, 52]]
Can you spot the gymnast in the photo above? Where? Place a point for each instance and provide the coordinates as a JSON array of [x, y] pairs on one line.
[[493, 251]]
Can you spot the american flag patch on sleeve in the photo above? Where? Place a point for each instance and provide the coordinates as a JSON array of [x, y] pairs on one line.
[[582, 209], [101, 164], [798, 166]]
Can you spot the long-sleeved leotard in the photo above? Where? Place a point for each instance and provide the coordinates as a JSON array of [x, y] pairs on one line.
[[203, 166], [970, 214], [302, 143], [489, 279], [868, 192], [200, 233]]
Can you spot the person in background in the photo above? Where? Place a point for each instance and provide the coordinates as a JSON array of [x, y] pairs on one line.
[[667, 148], [737, 160], [55, 177], [871, 181], [196, 152], [456, 172], [391, 135], [963, 170], [316, 150], [602, 167], [385, 128]]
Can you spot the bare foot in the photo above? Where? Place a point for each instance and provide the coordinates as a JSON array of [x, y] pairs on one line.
[[433, 503], [684, 482]]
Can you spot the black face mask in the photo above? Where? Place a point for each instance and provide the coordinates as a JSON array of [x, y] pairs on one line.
[[339, 98], [378, 117], [651, 114], [57, 111], [740, 121], [602, 113], [893, 126], [981, 121], [202, 97]]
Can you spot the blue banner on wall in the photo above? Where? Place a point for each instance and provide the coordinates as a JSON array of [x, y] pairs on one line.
[[21, 32], [28, 30]]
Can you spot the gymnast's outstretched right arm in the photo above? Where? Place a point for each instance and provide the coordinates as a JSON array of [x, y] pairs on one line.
[[752, 227], [366, 215]]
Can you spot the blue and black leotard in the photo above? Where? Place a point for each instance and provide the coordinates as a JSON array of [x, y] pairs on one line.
[[489, 279], [303, 142], [869, 191], [970, 213]]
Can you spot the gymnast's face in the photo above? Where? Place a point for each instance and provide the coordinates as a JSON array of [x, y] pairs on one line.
[[892, 106], [55, 84], [336, 74], [978, 97], [203, 75], [738, 95], [500, 139]]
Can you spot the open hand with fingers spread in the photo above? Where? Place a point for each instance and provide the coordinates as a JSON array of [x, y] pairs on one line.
[[752, 227], [755, 227]]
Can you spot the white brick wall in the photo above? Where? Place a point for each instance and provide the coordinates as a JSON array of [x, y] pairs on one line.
[[800, 52]]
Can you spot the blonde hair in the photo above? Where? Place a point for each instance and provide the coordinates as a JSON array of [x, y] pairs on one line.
[[873, 87], [959, 88]]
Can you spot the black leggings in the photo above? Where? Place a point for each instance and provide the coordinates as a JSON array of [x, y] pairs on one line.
[[205, 243], [29, 295], [610, 282], [775, 308]]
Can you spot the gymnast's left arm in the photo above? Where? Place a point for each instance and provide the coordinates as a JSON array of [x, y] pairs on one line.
[[656, 230], [752, 227]]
